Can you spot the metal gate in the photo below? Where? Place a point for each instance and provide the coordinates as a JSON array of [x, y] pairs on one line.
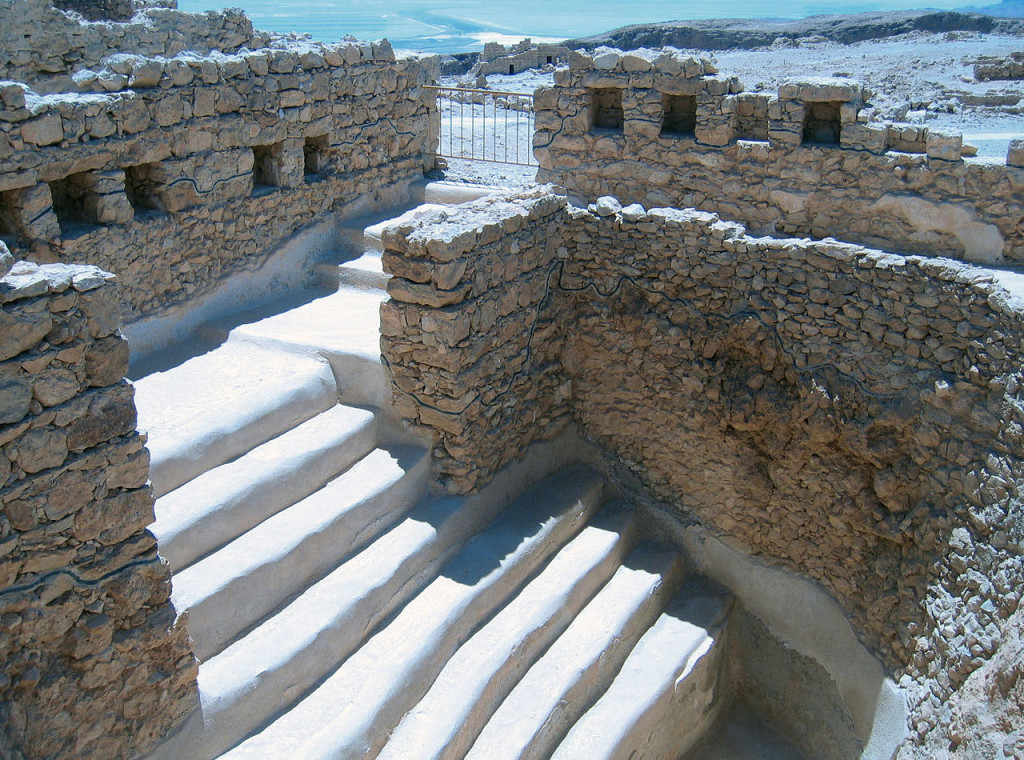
[[485, 125]]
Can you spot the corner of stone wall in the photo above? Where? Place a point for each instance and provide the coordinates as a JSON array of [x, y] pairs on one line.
[[93, 661], [471, 331]]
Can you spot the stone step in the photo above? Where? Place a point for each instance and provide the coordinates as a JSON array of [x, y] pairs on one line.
[[576, 670], [363, 273], [448, 192], [351, 712], [223, 503], [219, 405], [668, 693], [472, 684], [342, 326], [240, 584], [275, 663]]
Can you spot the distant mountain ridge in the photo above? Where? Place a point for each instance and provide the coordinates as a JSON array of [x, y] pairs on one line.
[[739, 34]]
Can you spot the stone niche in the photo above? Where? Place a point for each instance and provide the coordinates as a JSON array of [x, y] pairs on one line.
[[805, 162], [679, 115], [606, 109], [823, 123]]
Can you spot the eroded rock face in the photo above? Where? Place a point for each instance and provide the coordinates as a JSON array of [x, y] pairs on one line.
[[988, 708]]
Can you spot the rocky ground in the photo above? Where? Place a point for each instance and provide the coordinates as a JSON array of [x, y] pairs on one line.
[[915, 76]]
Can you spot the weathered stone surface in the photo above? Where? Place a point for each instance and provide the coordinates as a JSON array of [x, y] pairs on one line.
[[85, 613], [829, 408], [810, 146], [1015, 153], [6, 260]]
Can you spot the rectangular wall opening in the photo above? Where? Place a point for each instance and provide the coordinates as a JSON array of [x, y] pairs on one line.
[[69, 203], [8, 220], [822, 123], [606, 108], [314, 155], [264, 174], [679, 115], [140, 187]]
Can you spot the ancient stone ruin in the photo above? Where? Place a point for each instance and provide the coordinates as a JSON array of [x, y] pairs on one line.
[[723, 426]]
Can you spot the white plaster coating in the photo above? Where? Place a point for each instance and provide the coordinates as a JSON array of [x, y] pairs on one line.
[[370, 692], [443, 725], [218, 405], [287, 271], [223, 503], [982, 243], [267, 669], [805, 618], [578, 667], [667, 671], [250, 577]]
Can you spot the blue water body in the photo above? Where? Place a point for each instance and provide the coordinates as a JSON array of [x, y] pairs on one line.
[[445, 26]]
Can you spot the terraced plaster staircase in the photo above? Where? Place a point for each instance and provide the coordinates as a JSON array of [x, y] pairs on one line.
[[340, 611]]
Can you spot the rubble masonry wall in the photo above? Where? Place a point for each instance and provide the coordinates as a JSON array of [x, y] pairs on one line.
[[852, 415], [765, 160], [44, 46], [199, 166], [93, 663]]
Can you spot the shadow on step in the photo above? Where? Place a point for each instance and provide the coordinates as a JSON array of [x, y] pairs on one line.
[[485, 552], [205, 340]]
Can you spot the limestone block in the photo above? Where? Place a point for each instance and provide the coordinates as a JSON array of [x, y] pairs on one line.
[[580, 61], [106, 201], [872, 137], [633, 63], [12, 94], [22, 326], [45, 129], [1015, 153], [784, 134], [718, 132], [106, 361], [946, 147], [6, 259], [820, 89], [606, 60], [15, 399], [145, 73]]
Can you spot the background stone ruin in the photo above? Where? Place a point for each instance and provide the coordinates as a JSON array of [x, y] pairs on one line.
[[797, 163]]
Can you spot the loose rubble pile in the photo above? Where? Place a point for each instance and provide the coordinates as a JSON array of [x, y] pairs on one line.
[[1004, 68]]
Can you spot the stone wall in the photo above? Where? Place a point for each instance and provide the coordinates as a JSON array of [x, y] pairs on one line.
[[111, 10], [512, 59], [92, 661], [802, 162], [993, 67], [470, 333], [849, 414], [45, 46], [177, 172]]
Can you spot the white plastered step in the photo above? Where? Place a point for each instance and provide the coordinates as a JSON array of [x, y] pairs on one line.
[[351, 713]]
